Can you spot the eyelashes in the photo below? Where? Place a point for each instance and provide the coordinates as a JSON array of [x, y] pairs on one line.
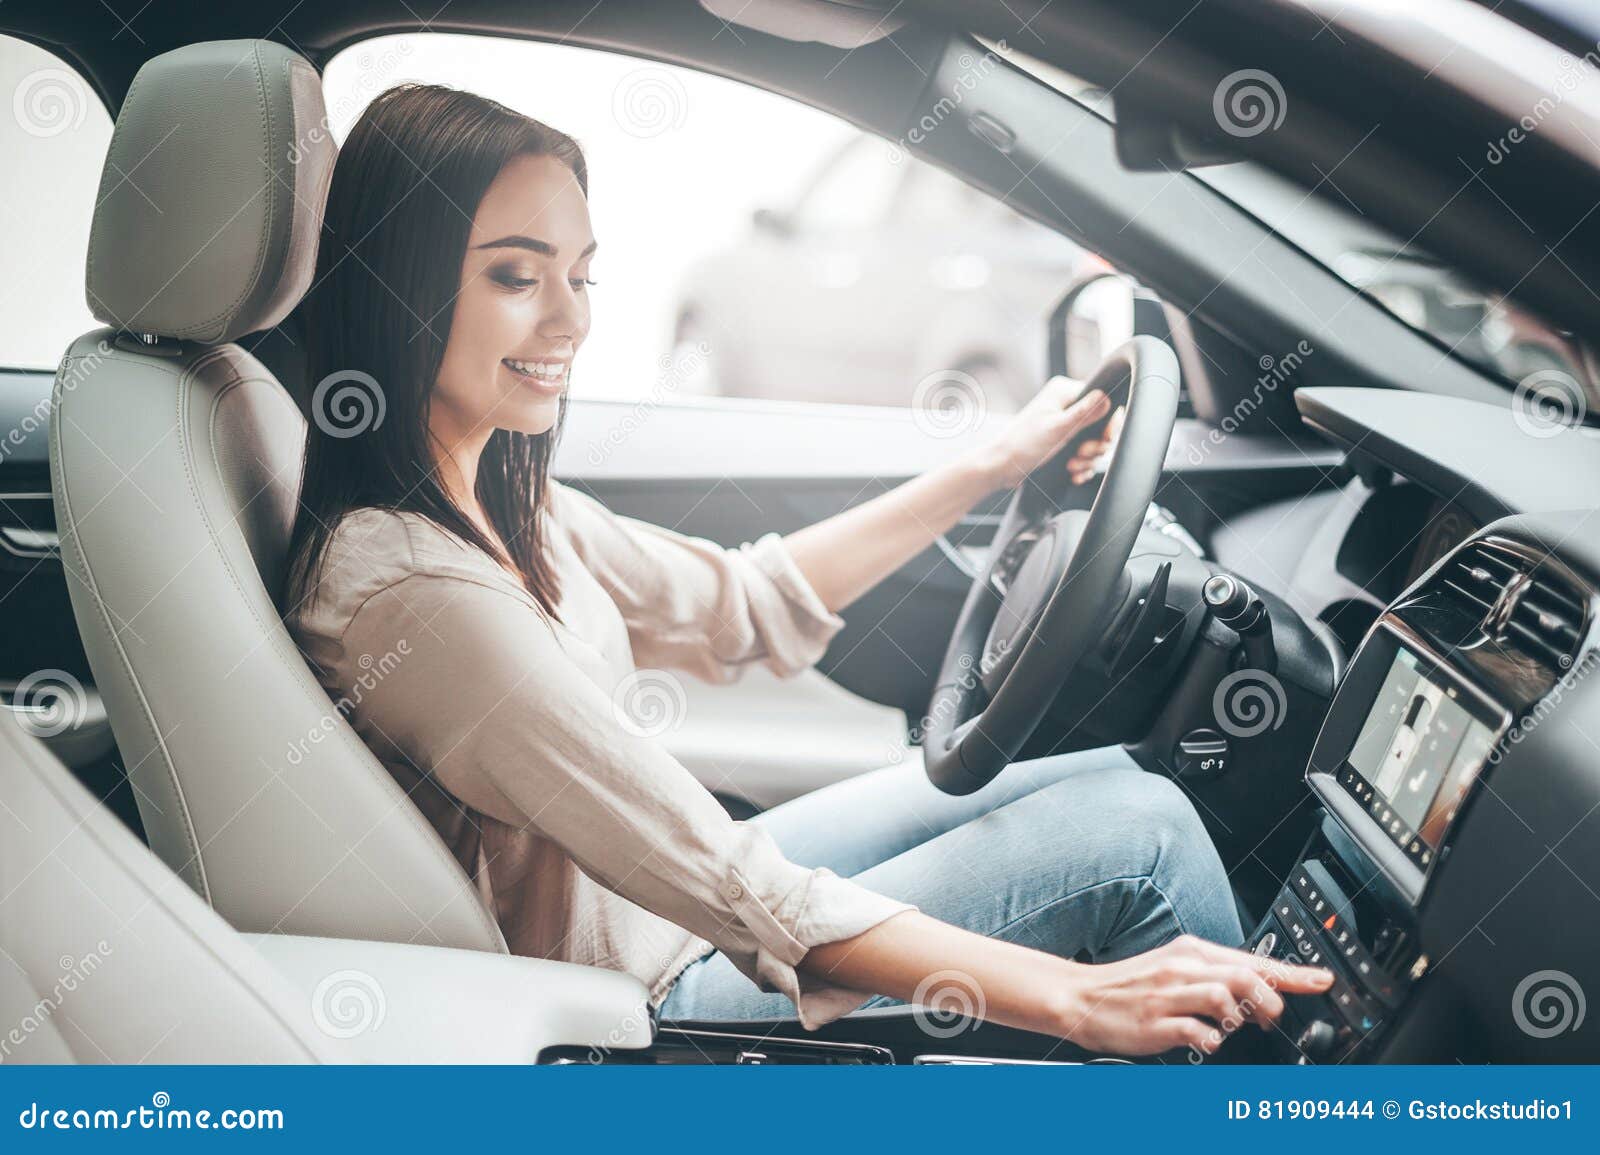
[[511, 281]]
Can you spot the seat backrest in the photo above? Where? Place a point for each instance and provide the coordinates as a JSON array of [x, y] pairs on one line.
[[175, 463], [105, 956]]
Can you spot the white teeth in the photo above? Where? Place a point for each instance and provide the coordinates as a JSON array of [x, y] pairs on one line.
[[549, 370]]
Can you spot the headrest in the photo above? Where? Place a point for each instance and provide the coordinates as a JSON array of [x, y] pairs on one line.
[[210, 205]]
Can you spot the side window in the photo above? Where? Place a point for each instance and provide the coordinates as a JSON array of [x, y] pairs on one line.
[[854, 189], [932, 197], [746, 247], [54, 144]]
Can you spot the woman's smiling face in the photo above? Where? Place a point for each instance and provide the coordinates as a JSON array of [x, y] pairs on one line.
[[523, 308]]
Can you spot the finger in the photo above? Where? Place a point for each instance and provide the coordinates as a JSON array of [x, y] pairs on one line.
[[1114, 426], [1188, 1032], [1281, 975], [1211, 1000], [1256, 994], [1081, 462], [1085, 411], [1300, 980], [1069, 388]]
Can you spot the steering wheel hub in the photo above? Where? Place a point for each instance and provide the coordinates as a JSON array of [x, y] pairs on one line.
[[1046, 553]]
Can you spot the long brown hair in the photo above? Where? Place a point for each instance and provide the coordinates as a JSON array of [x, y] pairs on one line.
[[405, 189]]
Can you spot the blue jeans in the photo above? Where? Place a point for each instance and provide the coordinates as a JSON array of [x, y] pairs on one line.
[[1077, 854]]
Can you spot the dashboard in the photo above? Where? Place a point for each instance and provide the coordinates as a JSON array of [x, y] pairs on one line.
[[1449, 881], [1429, 472], [1340, 556]]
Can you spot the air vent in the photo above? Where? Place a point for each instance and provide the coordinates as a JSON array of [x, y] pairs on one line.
[[1518, 599], [1548, 620], [1478, 575]]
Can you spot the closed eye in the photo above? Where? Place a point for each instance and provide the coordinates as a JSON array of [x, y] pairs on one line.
[[514, 282]]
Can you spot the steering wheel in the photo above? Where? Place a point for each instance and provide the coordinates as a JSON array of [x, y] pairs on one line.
[[1049, 581]]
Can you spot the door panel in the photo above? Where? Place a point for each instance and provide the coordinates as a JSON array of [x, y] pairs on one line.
[[732, 469], [766, 740]]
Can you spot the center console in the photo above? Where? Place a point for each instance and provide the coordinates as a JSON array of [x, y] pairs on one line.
[[1424, 713]]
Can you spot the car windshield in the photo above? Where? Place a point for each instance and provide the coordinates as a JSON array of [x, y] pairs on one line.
[[1487, 329]]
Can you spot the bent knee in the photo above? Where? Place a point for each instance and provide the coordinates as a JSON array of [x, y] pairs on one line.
[[1147, 825], [1152, 800], [1133, 841], [1168, 806]]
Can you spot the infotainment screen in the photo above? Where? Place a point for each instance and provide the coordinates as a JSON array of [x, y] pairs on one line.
[[1418, 753]]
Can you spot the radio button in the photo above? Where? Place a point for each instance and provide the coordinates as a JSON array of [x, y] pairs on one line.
[[1350, 1006]]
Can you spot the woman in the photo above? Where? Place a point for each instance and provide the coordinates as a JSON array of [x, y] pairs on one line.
[[482, 624]]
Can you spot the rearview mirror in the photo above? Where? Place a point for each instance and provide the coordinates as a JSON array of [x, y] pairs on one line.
[[1150, 141], [1097, 313], [1094, 316]]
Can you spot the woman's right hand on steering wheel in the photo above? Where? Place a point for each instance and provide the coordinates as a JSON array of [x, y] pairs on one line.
[[1188, 993]]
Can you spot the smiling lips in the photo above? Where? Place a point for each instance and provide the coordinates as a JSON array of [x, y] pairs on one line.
[[547, 376]]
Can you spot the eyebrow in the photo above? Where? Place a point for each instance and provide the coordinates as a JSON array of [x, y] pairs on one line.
[[533, 245]]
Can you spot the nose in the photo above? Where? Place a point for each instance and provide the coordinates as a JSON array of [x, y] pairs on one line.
[[566, 314]]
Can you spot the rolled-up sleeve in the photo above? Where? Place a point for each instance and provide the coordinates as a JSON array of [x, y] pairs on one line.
[[489, 702], [691, 604]]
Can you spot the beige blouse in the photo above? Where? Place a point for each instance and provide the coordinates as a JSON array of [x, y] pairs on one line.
[[531, 745]]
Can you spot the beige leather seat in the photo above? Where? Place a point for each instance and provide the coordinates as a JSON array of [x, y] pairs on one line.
[[107, 957], [175, 462]]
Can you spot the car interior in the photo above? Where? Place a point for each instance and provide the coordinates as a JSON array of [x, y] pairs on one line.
[[1338, 580]]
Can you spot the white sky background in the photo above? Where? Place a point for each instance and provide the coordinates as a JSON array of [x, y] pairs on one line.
[[678, 161]]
